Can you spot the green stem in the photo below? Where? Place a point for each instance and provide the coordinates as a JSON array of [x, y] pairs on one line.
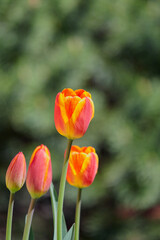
[[29, 219], [61, 191], [77, 216], [9, 217]]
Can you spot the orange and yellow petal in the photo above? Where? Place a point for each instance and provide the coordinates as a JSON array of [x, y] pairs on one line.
[[82, 93], [70, 105], [68, 92], [88, 149], [89, 169], [76, 148], [82, 116], [60, 116]]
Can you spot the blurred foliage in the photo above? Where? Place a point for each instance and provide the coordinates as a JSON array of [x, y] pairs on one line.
[[110, 48]]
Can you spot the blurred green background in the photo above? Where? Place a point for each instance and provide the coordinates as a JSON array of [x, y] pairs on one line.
[[111, 49]]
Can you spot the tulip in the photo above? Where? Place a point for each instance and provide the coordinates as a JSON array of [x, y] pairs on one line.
[[15, 178], [73, 112], [39, 178], [39, 174], [82, 167], [16, 173]]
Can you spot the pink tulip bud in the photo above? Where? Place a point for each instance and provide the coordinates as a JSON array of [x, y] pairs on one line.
[[16, 173], [39, 174]]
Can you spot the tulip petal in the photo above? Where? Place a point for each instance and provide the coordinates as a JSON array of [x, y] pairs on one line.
[[76, 148], [77, 160], [89, 169], [70, 105], [82, 116], [47, 177], [82, 93], [75, 164], [68, 92], [88, 149], [60, 103], [60, 116]]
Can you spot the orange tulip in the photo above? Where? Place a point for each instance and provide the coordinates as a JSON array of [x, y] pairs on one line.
[[16, 173], [39, 174], [82, 167], [73, 112]]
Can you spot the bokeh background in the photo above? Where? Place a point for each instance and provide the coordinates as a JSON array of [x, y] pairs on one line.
[[111, 49]]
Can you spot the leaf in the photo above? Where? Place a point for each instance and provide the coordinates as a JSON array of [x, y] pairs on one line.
[[54, 203], [31, 235], [64, 227], [70, 234]]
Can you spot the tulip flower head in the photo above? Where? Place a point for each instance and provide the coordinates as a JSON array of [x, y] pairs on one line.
[[39, 174], [82, 167], [16, 173], [73, 112]]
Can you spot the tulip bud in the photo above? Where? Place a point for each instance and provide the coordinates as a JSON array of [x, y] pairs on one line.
[[16, 173], [39, 174], [82, 167], [73, 112]]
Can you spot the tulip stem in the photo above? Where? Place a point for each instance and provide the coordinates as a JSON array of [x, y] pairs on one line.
[[10, 216], [77, 215], [29, 219], [61, 191]]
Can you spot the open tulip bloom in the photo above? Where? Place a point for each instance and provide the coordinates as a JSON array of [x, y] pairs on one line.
[[82, 169], [73, 112], [72, 115]]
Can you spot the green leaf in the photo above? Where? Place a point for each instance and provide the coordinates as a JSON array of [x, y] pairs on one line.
[[31, 235], [70, 234], [54, 203], [64, 227]]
